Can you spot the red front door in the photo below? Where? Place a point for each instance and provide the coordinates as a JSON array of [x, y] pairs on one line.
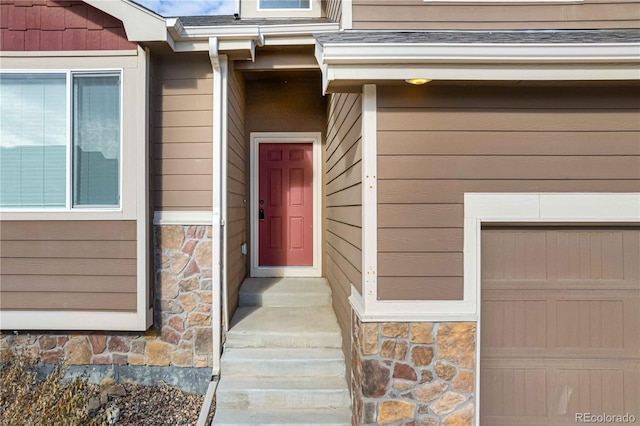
[[286, 204]]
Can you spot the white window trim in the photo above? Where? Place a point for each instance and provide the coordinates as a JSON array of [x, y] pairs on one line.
[[287, 137], [69, 78], [251, 9], [129, 64], [134, 201]]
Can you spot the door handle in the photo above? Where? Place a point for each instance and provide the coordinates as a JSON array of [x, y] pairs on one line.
[[261, 214]]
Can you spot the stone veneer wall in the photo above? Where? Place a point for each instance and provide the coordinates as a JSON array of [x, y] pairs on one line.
[[181, 335], [413, 374]]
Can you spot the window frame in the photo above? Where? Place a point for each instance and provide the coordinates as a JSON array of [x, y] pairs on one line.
[[291, 9], [69, 158]]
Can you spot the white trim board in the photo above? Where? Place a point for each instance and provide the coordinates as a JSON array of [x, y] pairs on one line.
[[369, 195], [347, 14], [286, 137], [500, 208], [162, 217], [72, 320]]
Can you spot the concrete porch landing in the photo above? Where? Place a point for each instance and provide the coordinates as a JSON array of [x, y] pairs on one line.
[[282, 363]]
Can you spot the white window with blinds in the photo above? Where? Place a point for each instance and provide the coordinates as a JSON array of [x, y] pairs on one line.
[[60, 140]]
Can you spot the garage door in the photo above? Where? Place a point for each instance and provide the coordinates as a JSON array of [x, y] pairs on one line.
[[560, 324]]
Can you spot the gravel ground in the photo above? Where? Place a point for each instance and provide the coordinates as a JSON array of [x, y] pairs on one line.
[[137, 405]]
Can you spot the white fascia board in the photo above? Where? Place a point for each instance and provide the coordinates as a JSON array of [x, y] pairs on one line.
[[294, 35], [196, 39], [180, 32], [485, 53], [506, 72], [139, 23], [191, 46], [259, 35]]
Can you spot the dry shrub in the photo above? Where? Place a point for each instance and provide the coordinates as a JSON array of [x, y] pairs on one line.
[[26, 401]]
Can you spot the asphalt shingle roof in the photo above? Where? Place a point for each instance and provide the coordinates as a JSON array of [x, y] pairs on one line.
[[529, 36]]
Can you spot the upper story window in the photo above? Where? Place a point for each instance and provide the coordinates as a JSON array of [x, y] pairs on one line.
[[284, 4], [280, 9], [60, 140]]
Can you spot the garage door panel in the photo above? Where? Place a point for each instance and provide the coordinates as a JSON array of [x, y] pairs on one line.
[[519, 256], [538, 391], [585, 391], [517, 392], [565, 254], [560, 313], [515, 323]]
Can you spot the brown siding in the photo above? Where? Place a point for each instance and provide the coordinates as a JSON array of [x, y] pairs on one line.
[[561, 311], [420, 15], [436, 143], [68, 265], [285, 104], [237, 173], [343, 204], [37, 25], [334, 10], [183, 132]]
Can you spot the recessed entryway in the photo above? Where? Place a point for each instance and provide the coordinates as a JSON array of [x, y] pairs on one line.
[[285, 204]]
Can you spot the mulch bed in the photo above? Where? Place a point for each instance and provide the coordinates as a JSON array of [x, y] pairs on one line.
[[137, 405]]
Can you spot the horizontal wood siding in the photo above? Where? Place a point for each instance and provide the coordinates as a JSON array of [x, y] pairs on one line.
[[183, 132], [343, 205], [68, 265], [285, 104], [436, 143], [37, 25], [423, 15], [236, 188]]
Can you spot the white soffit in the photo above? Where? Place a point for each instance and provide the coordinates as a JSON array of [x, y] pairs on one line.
[[361, 62]]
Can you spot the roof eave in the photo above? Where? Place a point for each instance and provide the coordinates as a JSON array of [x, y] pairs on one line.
[[140, 23], [194, 37], [354, 64]]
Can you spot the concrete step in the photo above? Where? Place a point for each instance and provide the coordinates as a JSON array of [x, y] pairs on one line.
[[282, 392], [321, 417], [285, 292], [267, 362], [279, 327]]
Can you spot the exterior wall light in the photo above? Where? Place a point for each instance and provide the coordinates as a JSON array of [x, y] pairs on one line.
[[418, 81]]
